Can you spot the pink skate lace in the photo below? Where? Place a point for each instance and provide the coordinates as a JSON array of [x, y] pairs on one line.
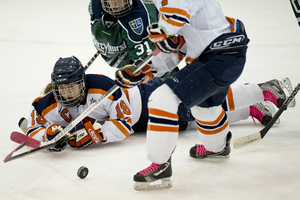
[[201, 150], [255, 112], [269, 95], [149, 169]]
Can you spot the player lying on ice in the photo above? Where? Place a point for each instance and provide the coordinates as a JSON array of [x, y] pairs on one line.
[[125, 112], [215, 50]]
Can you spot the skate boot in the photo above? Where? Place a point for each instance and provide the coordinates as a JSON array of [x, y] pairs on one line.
[[155, 172], [199, 151], [273, 92], [261, 113], [286, 85]]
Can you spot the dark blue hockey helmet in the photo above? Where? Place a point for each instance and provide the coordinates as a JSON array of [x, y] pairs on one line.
[[68, 79]]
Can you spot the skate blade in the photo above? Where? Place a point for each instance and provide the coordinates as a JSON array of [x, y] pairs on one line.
[[211, 157], [161, 184], [286, 85]]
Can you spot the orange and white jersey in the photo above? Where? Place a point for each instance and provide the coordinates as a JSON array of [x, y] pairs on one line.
[[115, 113], [198, 21]]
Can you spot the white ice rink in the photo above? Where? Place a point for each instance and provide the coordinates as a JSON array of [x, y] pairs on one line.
[[35, 33]]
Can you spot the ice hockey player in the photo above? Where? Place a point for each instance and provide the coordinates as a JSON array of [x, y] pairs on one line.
[[215, 52], [121, 114], [119, 33], [73, 92]]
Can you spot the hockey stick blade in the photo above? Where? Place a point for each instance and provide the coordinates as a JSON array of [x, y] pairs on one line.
[[20, 155], [250, 139], [65, 132], [42, 147], [21, 138], [8, 157]]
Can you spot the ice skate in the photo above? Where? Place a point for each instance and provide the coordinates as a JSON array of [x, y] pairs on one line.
[[286, 84], [199, 151], [273, 92], [263, 112], [154, 177]]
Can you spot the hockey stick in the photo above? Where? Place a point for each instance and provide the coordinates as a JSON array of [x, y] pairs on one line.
[[296, 8], [91, 60], [59, 138], [246, 140]]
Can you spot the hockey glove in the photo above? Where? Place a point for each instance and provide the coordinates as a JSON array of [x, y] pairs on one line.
[[50, 133], [163, 42], [125, 78], [87, 134]]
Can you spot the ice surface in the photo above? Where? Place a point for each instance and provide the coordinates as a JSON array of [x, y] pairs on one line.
[[34, 34]]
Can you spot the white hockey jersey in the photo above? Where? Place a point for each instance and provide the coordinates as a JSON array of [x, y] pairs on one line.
[[198, 21], [115, 113]]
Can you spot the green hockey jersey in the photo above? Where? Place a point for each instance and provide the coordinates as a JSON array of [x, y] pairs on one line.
[[125, 40]]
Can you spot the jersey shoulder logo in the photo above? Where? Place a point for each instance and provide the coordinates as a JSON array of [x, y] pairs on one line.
[[137, 26]]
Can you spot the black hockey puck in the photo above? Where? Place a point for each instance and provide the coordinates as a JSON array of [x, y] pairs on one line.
[[82, 172]]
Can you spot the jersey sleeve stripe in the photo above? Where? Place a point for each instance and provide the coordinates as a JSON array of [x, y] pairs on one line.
[[33, 132], [121, 127], [176, 11], [49, 108], [173, 22], [175, 16]]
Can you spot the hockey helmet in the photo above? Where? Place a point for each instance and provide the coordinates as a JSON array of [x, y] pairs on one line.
[[68, 80], [117, 8]]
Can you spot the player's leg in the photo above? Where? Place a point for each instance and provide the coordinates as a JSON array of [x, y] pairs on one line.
[[162, 134], [212, 124]]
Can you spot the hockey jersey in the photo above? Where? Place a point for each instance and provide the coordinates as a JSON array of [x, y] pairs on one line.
[[125, 40], [198, 21], [115, 113]]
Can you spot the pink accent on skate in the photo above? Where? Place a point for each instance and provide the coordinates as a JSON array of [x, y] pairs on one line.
[[201, 150], [149, 169], [269, 95], [255, 112]]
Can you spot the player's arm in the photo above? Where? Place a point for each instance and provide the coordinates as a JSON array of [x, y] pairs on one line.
[[119, 124], [36, 125]]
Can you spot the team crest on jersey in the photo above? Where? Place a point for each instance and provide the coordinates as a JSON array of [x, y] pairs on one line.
[[137, 26]]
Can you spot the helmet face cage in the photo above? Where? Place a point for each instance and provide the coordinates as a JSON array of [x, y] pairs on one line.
[[117, 8], [70, 95]]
